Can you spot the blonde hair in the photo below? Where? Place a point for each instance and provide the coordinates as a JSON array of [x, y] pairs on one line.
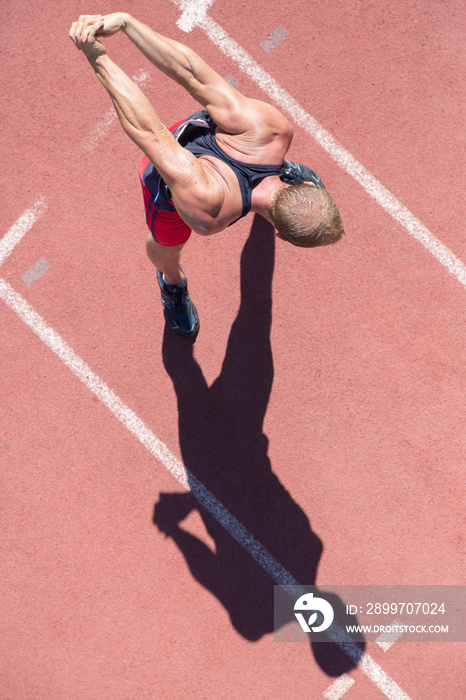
[[307, 216]]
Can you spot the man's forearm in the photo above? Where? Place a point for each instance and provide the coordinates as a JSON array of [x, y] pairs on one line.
[[137, 116], [177, 61]]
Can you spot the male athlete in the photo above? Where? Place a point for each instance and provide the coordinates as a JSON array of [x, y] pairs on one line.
[[211, 169]]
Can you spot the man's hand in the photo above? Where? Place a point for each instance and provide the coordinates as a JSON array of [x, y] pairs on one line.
[[84, 37], [107, 26]]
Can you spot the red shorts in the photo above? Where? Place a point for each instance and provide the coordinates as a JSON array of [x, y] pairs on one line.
[[164, 222]]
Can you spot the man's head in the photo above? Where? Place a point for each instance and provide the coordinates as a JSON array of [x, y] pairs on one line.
[[306, 216]]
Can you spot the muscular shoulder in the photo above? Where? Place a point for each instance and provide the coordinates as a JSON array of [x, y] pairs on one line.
[[199, 200], [265, 137], [262, 114]]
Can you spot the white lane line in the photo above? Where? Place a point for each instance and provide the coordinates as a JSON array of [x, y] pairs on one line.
[[100, 131], [193, 11], [159, 450], [30, 216], [83, 372], [135, 425], [110, 118], [197, 12], [383, 681], [388, 639], [339, 687], [345, 160], [344, 683], [19, 229]]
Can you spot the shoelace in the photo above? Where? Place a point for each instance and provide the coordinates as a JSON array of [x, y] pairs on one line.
[[179, 297]]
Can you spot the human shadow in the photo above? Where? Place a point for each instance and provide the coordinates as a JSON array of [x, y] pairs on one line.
[[226, 451]]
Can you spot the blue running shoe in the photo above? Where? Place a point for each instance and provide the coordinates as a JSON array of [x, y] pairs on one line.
[[178, 309], [296, 174]]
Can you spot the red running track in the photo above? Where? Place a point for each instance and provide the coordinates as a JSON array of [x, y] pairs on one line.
[[325, 415]]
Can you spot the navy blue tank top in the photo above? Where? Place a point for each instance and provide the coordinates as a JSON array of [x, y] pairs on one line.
[[197, 135]]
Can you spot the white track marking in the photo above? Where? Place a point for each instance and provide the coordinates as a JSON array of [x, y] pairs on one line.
[[110, 118], [383, 682], [388, 639], [195, 15], [265, 560], [161, 452], [100, 131], [135, 425], [345, 160], [339, 687], [221, 39], [19, 229], [193, 12], [83, 372]]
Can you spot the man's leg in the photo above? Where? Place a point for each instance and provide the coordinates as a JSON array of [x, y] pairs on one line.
[[178, 309], [167, 228], [166, 259]]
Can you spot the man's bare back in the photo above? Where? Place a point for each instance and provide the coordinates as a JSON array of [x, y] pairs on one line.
[[225, 202], [205, 190]]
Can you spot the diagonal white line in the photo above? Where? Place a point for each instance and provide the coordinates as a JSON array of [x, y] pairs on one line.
[[19, 229], [161, 452], [388, 639], [83, 372], [192, 11], [195, 14], [223, 41], [136, 426], [339, 687], [129, 419]]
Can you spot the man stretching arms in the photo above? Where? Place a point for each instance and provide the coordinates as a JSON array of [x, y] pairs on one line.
[[211, 169]]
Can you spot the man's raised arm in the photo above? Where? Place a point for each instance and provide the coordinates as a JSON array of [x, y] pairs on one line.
[[231, 110], [188, 69], [178, 167]]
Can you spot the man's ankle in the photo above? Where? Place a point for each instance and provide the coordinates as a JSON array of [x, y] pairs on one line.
[[174, 279]]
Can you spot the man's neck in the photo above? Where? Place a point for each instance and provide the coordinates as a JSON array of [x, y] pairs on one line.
[[262, 196]]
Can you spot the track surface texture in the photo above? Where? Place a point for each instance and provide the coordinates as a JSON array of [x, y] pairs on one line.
[[321, 406]]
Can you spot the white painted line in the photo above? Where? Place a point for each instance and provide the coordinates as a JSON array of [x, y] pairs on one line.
[[193, 12], [230, 48], [383, 681], [141, 77], [388, 639], [35, 272], [100, 131], [110, 118], [339, 687], [131, 421], [134, 424], [19, 229], [345, 160], [159, 450], [83, 372], [265, 560], [273, 41]]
